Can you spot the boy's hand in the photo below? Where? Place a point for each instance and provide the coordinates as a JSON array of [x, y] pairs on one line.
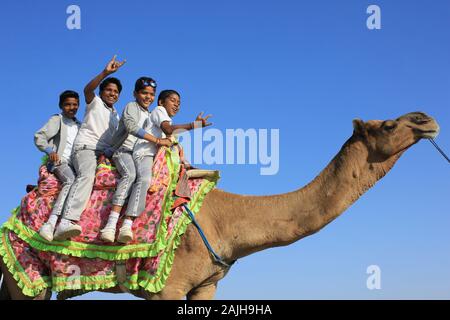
[[201, 122], [53, 157], [172, 139], [113, 65], [165, 142]]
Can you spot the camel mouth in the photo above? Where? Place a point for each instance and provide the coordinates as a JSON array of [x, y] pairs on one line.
[[430, 134], [430, 131], [426, 134]]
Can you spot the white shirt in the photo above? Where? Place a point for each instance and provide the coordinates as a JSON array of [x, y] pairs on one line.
[[72, 130], [98, 127], [153, 127]]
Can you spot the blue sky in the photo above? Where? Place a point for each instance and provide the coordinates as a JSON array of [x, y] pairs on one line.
[[306, 68]]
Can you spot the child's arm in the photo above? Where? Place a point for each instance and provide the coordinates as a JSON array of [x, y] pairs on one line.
[[47, 132], [130, 119], [199, 122], [110, 68], [165, 142]]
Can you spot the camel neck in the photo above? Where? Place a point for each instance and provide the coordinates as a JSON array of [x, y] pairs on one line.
[[270, 221], [349, 175]]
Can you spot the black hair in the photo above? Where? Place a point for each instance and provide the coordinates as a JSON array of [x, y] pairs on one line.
[[166, 93], [68, 94], [111, 80], [143, 82]]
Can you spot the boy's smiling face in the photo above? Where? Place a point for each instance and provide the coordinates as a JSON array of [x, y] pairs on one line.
[[70, 107], [110, 94], [145, 96], [172, 104]]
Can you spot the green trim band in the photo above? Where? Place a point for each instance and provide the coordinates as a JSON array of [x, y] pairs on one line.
[[29, 288], [112, 168]]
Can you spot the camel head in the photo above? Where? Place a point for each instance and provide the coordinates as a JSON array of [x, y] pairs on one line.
[[385, 139]]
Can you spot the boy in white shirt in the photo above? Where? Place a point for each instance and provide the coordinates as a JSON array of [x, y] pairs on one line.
[[131, 127], [56, 139], [160, 126], [94, 137]]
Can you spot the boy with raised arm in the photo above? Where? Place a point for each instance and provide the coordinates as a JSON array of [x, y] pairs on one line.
[[94, 137]]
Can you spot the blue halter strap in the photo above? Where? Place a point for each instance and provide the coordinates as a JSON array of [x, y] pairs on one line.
[[216, 257]]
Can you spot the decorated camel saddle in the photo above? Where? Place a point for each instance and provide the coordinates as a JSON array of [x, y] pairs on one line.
[[86, 262]]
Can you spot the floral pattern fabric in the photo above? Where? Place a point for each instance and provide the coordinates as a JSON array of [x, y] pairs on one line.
[[86, 262]]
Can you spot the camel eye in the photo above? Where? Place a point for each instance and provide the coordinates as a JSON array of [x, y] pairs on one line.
[[389, 126], [420, 120]]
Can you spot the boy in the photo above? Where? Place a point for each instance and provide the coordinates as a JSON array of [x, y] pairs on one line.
[[160, 125], [94, 137], [130, 129], [56, 139]]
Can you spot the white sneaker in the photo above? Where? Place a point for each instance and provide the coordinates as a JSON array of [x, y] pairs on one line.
[[65, 231], [108, 234], [46, 231], [125, 234]]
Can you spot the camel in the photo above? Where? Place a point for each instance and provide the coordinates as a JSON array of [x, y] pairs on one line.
[[238, 225]]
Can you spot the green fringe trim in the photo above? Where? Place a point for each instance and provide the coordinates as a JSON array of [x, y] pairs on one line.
[[44, 160], [28, 287], [112, 168], [82, 250], [84, 283]]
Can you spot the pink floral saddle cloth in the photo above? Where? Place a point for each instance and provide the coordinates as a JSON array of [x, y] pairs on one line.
[[86, 262]]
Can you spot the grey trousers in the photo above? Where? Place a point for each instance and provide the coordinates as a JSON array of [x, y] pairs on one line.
[[136, 202], [125, 166], [65, 174], [85, 163]]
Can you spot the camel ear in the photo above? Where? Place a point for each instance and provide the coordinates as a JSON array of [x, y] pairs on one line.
[[359, 127]]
